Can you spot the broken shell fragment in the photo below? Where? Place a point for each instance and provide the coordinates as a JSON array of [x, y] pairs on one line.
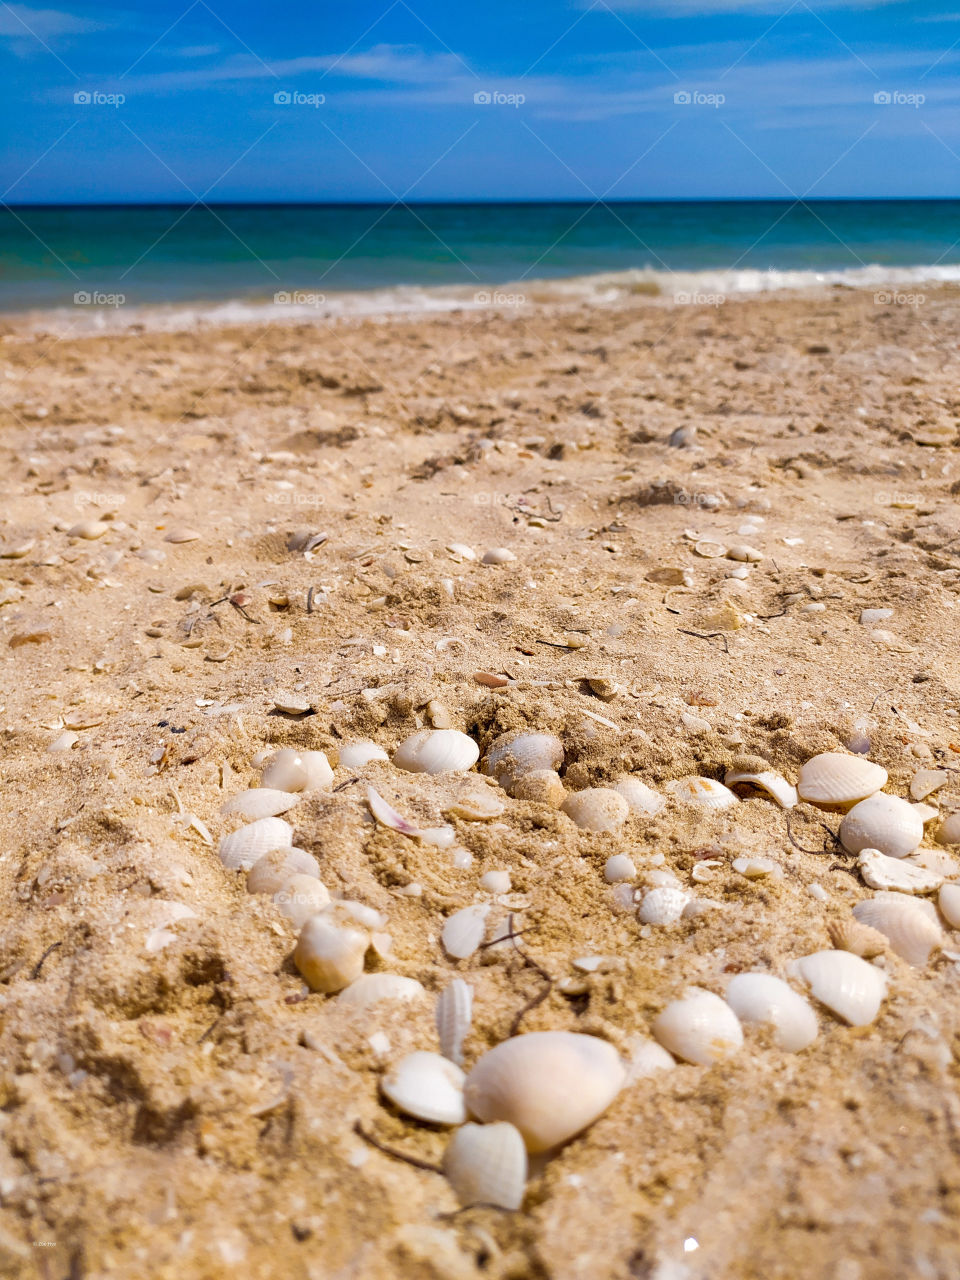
[[354, 755], [487, 1164], [292, 704], [330, 952], [881, 872], [241, 849], [926, 781], [437, 751], [549, 1084], [882, 822], [259, 802], [761, 997], [773, 783], [699, 1028], [910, 925], [454, 1014], [596, 809], [463, 931], [475, 806], [427, 1087], [848, 986], [372, 988], [833, 780], [705, 792]]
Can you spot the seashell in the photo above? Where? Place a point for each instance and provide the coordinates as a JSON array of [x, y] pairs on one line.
[[705, 792], [285, 770], [744, 552], [495, 881], [65, 742], [388, 816], [911, 931], [848, 986], [164, 913], [619, 868], [950, 904], [941, 864], [541, 786], [437, 751], [271, 872], [463, 931], [259, 802], [881, 872], [760, 997], [372, 988], [882, 822], [300, 898], [319, 773], [182, 535], [850, 935], [662, 906], [454, 1014], [498, 555], [514, 754], [427, 1087], [475, 806], [330, 952], [949, 830], [699, 1028], [757, 868], [596, 809], [354, 755], [89, 530], [549, 1084], [241, 849], [641, 798], [926, 781], [709, 550], [292, 704], [773, 783], [926, 812], [460, 551], [834, 780], [646, 1059], [487, 1164]]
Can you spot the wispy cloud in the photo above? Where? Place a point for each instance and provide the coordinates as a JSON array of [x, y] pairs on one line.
[[693, 8], [19, 22]]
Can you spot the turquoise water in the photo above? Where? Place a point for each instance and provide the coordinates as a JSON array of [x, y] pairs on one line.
[[249, 253]]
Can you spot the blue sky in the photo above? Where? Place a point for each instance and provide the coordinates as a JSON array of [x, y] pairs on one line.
[[777, 98]]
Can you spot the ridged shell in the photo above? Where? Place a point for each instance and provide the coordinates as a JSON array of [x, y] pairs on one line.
[[705, 792], [642, 799], [882, 822], [850, 935], [241, 849], [354, 755], [300, 898], [882, 872], [514, 754], [259, 802], [539, 786], [835, 780], [761, 997], [848, 986], [662, 906], [596, 809], [272, 871], [437, 751], [549, 1084], [454, 1014], [699, 1028], [950, 904], [773, 783], [487, 1164], [619, 868], [427, 1087], [905, 922], [949, 830], [463, 931], [330, 953], [372, 988]]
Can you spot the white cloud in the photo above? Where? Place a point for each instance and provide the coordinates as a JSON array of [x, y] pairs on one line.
[[20, 22]]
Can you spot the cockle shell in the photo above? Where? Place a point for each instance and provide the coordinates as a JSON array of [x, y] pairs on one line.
[[437, 751], [354, 755], [300, 898], [487, 1164], [833, 780], [596, 809], [699, 1028], [619, 868], [427, 1087], [372, 988], [705, 792], [848, 986], [271, 872], [768, 780], [463, 931], [513, 754], [549, 1084], [642, 799], [539, 786], [259, 802], [454, 1014], [949, 900], [241, 849], [662, 906], [330, 952], [761, 997], [910, 924], [881, 872], [291, 770], [849, 934], [882, 822]]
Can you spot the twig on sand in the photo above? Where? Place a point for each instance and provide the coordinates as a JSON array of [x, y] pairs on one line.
[[392, 1151], [39, 965], [706, 635]]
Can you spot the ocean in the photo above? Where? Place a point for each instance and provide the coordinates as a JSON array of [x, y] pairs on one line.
[[233, 260]]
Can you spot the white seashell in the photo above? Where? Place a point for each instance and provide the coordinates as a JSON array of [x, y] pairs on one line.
[[427, 1087], [88, 529], [757, 868], [498, 555], [596, 809], [366, 917], [540, 786], [65, 742], [658, 877], [950, 904], [882, 822], [705, 792], [935, 860], [881, 872], [926, 781], [453, 1016], [241, 849], [619, 868], [699, 1028], [549, 1084], [300, 898], [641, 798], [514, 754], [870, 617], [437, 751], [662, 906], [285, 771], [163, 914], [926, 812], [475, 806], [760, 997], [354, 755], [773, 783], [709, 550], [463, 931], [742, 551], [495, 881], [835, 780], [371, 988], [389, 816], [460, 550], [646, 1059], [911, 931], [259, 802], [949, 830], [319, 773], [487, 1164], [439, 837], [461, 858], [330, 952], [182, 534], [848, 986], [271, 872], [293, 704]]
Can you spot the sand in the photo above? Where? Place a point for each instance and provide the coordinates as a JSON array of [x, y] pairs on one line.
[[192, 1112]]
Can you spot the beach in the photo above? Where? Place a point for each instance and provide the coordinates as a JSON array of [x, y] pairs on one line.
[[204, 522]]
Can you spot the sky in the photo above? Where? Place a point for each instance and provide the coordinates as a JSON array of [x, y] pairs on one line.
[[500, 100]]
